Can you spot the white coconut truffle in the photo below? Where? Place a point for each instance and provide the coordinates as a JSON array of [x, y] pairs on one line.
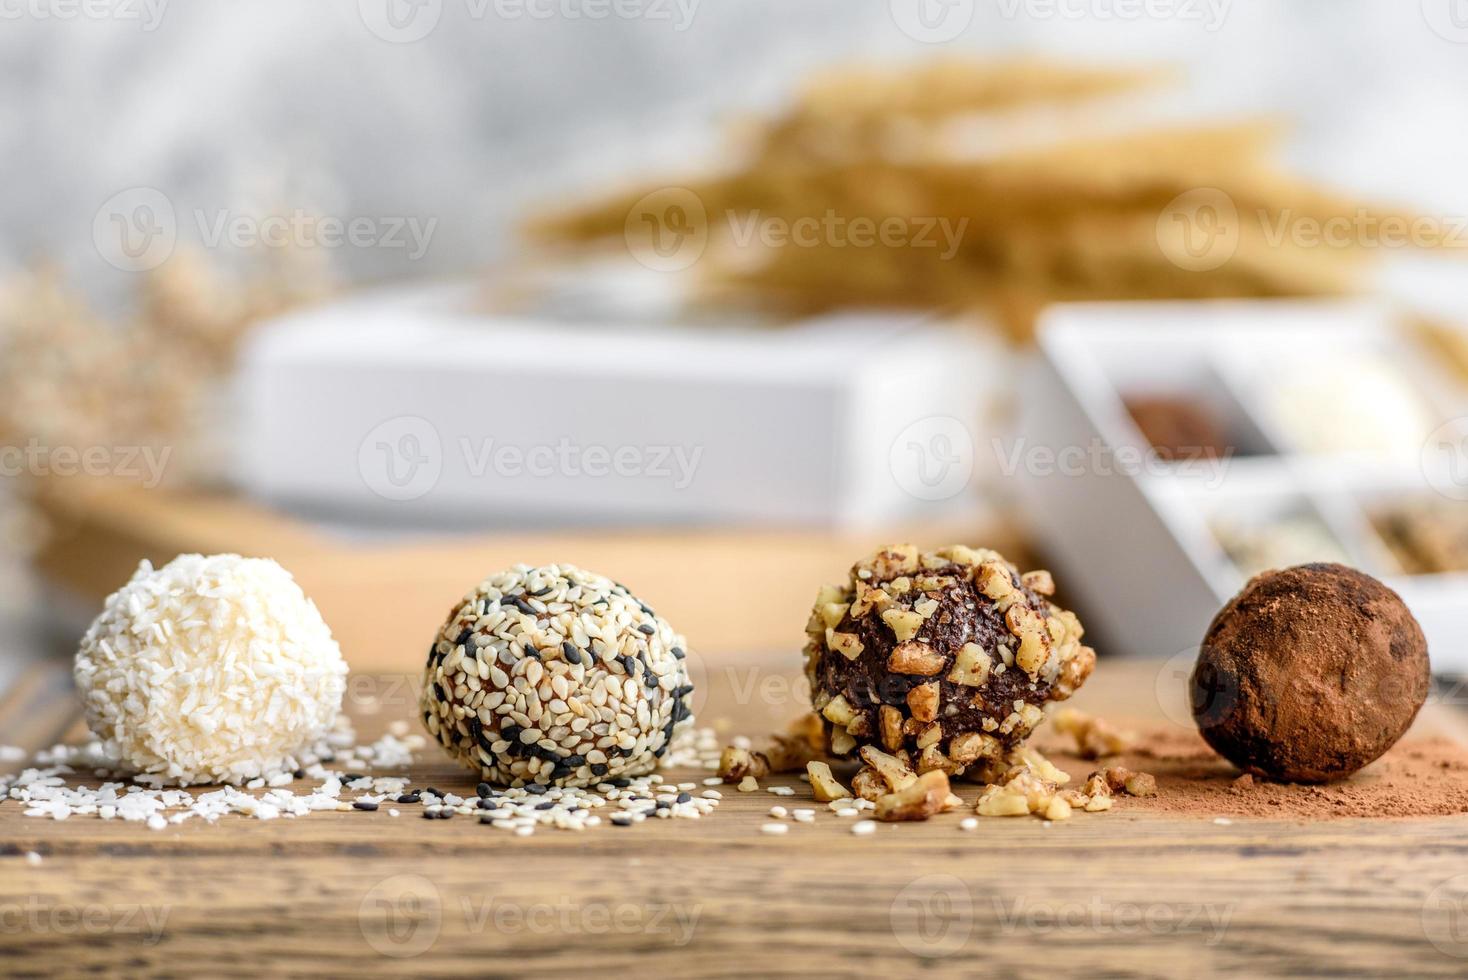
[[556, 676], [210, 669]]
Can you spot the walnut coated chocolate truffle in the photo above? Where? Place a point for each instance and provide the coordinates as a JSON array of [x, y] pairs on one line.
[[944, 659], [1309, 674]]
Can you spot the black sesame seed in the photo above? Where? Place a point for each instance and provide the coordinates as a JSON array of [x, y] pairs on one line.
[[683, 691], [663, 804], [430, 814], [543, 592], [523, 606], [534, 788], [622, 820], [546, 805], [511, 733], [621, 783], [363, 805], [598, 768], [684, 797], [407, 798], [678, 653], [488, 805], [484, 790], [647, 629], [465, 639], [488, 817], [434, 791], [445, 813], [438, 690], [351, 777], [569, 651], [299, 774]]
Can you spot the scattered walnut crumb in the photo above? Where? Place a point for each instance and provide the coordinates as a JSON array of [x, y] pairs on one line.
[[748, 784], [922, 798], [823, 785], [1094, 738], [736, 764]]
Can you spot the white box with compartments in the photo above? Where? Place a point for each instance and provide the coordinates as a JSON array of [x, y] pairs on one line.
[[1143, 544]]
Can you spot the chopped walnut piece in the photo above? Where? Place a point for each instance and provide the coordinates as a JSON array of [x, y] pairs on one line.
[[1073, 673], [823, 785], [997, 801], [971, 667], [891, 727], [971, 746], [932, 758], [833, 612], [893, 769], [736, 763], [931, 735], [1042, 766], [842, 743], [1057, 809], [790, 753], [1038, 581], [869, 785], [895, 560], [1141, 784], [925, 796], [846, 644], [748, 784], [904, 624], [808, 728], [838, 711], [913, 657], [922, 701], [1094, 738]]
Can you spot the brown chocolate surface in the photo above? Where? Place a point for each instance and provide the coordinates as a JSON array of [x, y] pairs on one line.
[[1309, 674], [964, 615]]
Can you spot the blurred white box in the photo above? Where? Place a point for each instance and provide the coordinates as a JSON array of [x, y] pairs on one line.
[[411, 407], [1138, 546]]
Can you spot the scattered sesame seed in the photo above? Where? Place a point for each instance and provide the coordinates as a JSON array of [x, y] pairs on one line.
[[774, 828], [863, 827], [969, 823]]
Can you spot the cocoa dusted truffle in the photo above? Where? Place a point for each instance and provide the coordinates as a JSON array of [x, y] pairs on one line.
[[1309, 674], [942, 659]]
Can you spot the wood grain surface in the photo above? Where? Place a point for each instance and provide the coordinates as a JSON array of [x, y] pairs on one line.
[[1122, 893]]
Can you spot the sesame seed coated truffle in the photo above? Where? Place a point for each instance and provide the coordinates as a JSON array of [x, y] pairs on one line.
[[943, 659], [210, 669], [555, 676]]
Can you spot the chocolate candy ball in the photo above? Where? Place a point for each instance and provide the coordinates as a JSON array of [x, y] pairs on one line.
[[942, 658], [557, 676], [1309, 674]]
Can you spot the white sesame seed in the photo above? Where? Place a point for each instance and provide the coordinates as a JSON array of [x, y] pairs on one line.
[[969, 823], [774, 828], [864, 827]]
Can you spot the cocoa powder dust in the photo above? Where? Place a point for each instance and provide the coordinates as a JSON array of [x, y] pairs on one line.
[[1422, 776]]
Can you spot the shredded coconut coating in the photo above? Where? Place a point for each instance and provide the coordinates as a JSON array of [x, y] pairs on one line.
[[555, 676], [210, 669]]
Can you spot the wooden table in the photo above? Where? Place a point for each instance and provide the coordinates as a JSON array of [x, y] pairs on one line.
[[1127, 892]]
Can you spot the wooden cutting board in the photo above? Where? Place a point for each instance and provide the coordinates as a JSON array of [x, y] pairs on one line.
[[1126, 892]]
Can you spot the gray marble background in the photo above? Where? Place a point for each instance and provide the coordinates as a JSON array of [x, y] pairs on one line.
[[226, 104]]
